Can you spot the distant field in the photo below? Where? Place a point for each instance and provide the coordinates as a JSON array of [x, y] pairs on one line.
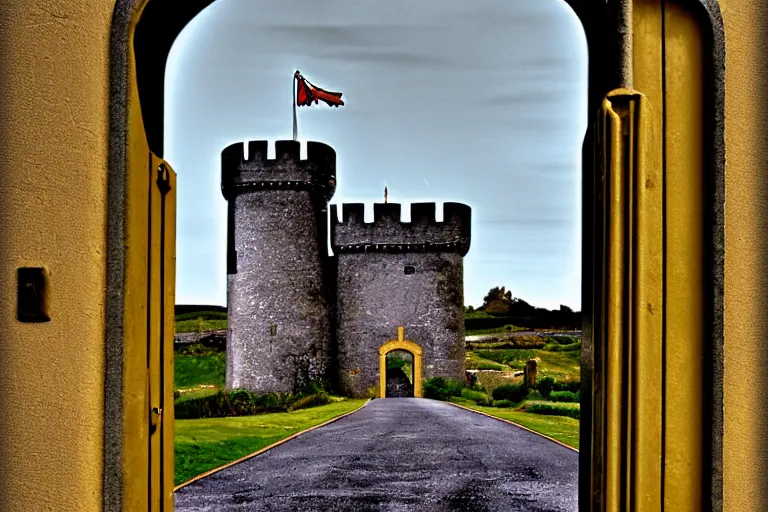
[[201, 321], [558, 365], [191, 372]]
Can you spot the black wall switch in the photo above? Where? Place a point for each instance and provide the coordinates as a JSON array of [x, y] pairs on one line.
[[33, 295]]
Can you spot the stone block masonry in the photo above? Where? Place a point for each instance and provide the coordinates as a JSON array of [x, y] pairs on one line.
[[278, 325], [391, 273], [297, 314]]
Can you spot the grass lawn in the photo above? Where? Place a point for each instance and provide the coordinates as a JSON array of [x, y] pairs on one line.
[[558, 365], [200, 325], [205, 444], [562, 428], [196, 371], [476, 362]]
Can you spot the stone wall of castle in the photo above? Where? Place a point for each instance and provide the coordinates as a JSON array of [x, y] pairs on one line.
[[277, 293], [391, 274]]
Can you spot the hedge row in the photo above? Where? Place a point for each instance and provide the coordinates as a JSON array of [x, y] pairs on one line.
[[551, 320], [244, 403], [205, 315]]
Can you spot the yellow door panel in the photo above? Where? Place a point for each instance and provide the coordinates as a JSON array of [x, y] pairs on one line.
[[627, 421], [650, 346], [686, 356], [154, 323], [168, 297]]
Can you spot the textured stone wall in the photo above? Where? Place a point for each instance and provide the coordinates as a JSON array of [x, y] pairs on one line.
[[277, 270], [375, 293], [387, 232], [375, 296]]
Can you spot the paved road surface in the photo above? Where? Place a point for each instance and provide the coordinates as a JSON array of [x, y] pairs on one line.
[[398, 454]]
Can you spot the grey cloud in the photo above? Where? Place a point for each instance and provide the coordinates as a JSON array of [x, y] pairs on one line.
[[354, 36], [518, 98], [384, 56], [528, 221]]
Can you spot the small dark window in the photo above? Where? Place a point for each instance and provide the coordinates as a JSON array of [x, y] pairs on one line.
[[273, 330], [409, 270]]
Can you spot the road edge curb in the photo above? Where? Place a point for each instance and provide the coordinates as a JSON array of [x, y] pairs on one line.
[[266, 448], [517, 425]]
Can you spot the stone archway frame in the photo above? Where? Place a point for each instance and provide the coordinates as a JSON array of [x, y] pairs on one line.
[[400, 344]]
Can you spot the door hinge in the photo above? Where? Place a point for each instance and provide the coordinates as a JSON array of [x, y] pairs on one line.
[[163, 178]]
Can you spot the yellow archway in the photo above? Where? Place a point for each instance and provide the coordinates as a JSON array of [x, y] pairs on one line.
[[400, 344]]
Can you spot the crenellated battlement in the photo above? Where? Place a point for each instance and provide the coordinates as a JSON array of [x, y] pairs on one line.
[[387, 233], [287, 171]]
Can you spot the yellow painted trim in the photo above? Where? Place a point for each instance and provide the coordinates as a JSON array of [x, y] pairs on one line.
[[400, 344], [627, 418], [686, 268], [517, 425], [266, 448]]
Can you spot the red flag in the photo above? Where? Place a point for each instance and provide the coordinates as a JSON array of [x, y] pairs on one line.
[[307, 93]]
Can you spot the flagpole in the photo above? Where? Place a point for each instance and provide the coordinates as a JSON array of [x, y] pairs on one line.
[[293, 102]]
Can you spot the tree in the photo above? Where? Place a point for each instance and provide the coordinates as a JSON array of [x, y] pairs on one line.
[[497, 293]]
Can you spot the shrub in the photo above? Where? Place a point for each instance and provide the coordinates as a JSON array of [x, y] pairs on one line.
[[439, 388], [559, 347], [512, 392], [478, 397], [564, 396], [433, 391], [545, 386], [491, 380], [554, 410], [395, 362], [487, 365], [310, 401], [205, 315], [567, 385], [310, 387], [210, 406], [563, 340], [485, 322], [244, 403], [502, 403]]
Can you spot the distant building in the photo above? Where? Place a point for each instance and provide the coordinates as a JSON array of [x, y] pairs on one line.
[[297, 314]]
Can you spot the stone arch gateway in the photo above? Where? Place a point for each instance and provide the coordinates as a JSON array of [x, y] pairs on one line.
[[400, 344]]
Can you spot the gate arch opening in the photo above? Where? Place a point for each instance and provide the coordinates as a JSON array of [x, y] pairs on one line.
[[400, 344]]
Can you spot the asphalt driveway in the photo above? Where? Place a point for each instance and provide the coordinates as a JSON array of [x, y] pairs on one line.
[[398, 454]]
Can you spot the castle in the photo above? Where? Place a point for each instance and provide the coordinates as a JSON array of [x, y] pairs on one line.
[[297, 314]]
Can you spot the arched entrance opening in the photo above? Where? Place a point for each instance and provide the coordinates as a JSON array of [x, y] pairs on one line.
[[396, 348], [399, 370]]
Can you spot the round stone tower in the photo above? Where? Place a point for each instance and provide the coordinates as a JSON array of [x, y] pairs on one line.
[[399, 284], [277, 285]]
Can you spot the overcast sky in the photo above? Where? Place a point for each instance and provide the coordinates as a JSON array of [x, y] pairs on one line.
[[481, 102]]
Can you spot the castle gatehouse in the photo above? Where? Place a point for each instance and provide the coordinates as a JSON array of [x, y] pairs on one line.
[[297, 314]]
